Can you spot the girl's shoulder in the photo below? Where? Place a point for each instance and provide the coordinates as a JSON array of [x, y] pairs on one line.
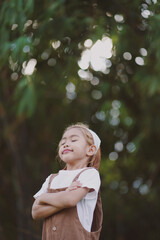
[[90, 172], [90, 179]]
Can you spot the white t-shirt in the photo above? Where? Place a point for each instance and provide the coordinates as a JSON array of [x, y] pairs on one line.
[[89, 178]]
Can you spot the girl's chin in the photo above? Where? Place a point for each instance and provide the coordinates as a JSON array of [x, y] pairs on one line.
[[68, 160]]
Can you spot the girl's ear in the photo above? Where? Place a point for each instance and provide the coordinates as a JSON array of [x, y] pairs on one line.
[[91, 150]]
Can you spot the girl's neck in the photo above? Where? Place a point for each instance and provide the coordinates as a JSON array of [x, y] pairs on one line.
[[75, 166]]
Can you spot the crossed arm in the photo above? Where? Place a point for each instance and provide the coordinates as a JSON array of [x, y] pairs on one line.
[[50, 203]]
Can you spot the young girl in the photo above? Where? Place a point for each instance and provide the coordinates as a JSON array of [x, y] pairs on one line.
[[70, 201]]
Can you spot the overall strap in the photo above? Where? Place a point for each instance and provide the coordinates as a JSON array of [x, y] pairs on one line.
[[51, 178], [77, 176]]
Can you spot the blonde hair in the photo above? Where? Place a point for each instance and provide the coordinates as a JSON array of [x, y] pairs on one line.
[[94, 161]]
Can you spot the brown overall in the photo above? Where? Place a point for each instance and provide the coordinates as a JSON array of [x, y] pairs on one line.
[[65, 225]]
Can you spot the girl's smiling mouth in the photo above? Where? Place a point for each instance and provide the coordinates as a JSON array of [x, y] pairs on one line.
[[66, 151]]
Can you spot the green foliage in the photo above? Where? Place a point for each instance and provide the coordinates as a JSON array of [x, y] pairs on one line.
[[26, 96]]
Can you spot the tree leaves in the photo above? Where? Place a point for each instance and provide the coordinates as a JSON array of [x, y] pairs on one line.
[[25, 96]]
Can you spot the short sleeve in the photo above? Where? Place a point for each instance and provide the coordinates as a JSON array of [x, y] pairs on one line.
[[90, 179], [43, 188]]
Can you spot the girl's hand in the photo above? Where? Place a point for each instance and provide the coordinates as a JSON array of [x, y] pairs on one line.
[[74, 186]]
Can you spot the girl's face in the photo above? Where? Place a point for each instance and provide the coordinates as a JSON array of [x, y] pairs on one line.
[[74, 147]]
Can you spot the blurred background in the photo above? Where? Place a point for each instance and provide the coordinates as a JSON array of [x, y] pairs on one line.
[[96, 62]]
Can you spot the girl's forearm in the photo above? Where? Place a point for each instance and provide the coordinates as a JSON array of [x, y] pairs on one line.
[[58, 200], [63, 199], [42, 211]]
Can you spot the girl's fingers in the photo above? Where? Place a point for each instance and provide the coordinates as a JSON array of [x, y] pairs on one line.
[[77, 183], [71, 188], [74, 186]]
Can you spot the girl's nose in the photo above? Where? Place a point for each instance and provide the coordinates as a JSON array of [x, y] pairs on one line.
[[65, 145]]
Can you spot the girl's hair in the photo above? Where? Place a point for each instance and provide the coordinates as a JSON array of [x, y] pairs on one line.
[[94, 161]]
